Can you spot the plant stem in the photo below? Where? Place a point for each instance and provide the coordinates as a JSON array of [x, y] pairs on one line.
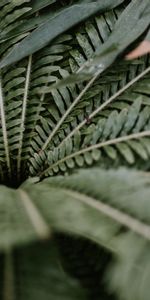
[[105, 104], [98, 146], [37, 220], [70, 109], [4, 130], [24, 107]]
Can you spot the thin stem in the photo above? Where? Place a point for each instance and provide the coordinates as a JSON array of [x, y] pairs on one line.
[[69, 110], [42, 98], [24, 107], [105, 104], [35, 122], [98, 146], [4, 130]]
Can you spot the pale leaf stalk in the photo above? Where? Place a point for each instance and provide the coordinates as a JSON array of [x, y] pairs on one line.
[[24, 107], [105, 104], [4, 129], [39, 224], [116, 215], [98, 146]]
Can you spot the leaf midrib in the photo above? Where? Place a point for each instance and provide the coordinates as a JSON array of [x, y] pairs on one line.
[[98, 146], [122, 218]]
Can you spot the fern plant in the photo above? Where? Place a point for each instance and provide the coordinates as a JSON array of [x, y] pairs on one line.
[[74, 150]]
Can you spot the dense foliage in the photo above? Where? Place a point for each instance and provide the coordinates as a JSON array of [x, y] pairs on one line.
[[74, 150]]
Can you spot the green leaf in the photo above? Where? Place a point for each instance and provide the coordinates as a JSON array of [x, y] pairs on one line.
[[35, 272], [108, 52], [96, 205], [14, 223], [126, 30], [60, 23], [24, 27], [29, 24], [131, 265], [43, 133], [38, 5], [85, 197]]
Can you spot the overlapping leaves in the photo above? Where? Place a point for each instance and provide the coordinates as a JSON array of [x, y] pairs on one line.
[[52, 122], [102, 213]]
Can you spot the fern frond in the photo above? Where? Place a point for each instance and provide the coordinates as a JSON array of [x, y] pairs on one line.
[[89, 155], [114, 123], [12, 15], [59, 112], [62, 21], [42, 73], [110, 100], [64, 121], [13, 90], [68, 111], [74, 104]]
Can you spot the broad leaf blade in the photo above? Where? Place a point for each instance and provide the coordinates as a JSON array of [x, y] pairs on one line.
[[133, 266], [26, 26], [54, 27], [35, 272], [126, 31], [59, 202], [14, 223]]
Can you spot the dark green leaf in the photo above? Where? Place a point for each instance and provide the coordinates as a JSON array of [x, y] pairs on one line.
[[37, 274], [60, 23]]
